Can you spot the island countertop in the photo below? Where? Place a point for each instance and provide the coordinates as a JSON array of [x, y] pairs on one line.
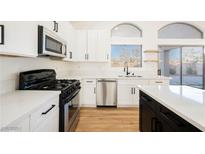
[[186, 102]]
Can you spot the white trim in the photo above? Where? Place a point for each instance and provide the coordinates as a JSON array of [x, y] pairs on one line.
[[134, 105], [138, 41], [181, 42], [88, 105]]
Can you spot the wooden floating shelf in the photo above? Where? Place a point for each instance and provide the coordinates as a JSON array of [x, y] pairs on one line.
[[151, 51], [152, 61]]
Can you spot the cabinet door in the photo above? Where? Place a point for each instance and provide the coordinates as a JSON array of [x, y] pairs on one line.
[[46, 117], [147, 118], [20, 38], [125, 95], [136, 90], [80, 48], [92, 45], [104, 46], [50, 122], [89, 97], [136, 96], [20, 125], [47, 24]]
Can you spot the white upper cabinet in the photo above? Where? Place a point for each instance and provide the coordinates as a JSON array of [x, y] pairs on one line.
[[91, 45], [47, 24], [79, 46], [104, 46], [20, 38]]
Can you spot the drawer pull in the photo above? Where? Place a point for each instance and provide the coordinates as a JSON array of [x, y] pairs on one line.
[[158, 82], [48, 110], [89, 81]]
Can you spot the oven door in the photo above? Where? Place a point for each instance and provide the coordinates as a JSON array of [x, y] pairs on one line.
[[71, 112]]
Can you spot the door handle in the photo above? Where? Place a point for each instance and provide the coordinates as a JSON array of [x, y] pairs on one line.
[[56, 27], [48, 110], [94, 90], [132, 91]]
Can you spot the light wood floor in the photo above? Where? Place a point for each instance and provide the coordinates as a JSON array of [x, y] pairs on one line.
[[108, 120]]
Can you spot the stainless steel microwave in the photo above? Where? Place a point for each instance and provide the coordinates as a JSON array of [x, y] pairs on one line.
[[50, 44]]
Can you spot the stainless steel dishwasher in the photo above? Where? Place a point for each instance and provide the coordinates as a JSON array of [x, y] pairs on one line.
[[106, 92]]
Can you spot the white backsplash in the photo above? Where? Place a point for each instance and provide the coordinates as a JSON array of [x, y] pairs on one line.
[[104, 69], [11, 66]]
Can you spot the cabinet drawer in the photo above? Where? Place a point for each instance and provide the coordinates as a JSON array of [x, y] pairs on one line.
[[159, 82], [89, 81], [41, 114], [133, 82], [176, 122]]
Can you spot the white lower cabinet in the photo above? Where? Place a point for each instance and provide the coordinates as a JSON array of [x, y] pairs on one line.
[[49, 122], [43, 119], [89, 93], [46, 118], [128, 93], [20, 125]]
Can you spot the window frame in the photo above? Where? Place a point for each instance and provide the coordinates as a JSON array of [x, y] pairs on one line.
[[141, 56], [187, 24], [130, 24]]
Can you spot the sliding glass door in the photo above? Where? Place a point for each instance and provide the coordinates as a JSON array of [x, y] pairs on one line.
[[192, 66], [183, 64]]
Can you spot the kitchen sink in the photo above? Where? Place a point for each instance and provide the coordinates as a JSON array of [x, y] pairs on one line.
[[130, 76]]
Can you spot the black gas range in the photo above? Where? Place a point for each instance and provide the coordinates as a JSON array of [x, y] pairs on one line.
[[69, 104]]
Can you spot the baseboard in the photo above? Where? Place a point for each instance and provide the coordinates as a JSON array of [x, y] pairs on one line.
[[127, 105], [88, 105]]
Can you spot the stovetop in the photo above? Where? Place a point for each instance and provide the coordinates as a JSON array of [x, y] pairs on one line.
[[57, 85]]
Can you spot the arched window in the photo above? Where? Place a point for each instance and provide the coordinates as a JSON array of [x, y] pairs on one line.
[[180, 31], [125, 53], [126, 30]]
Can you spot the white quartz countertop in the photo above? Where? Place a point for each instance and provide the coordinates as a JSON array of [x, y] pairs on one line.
[[119, 77], [19, 103], [187, 102]]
